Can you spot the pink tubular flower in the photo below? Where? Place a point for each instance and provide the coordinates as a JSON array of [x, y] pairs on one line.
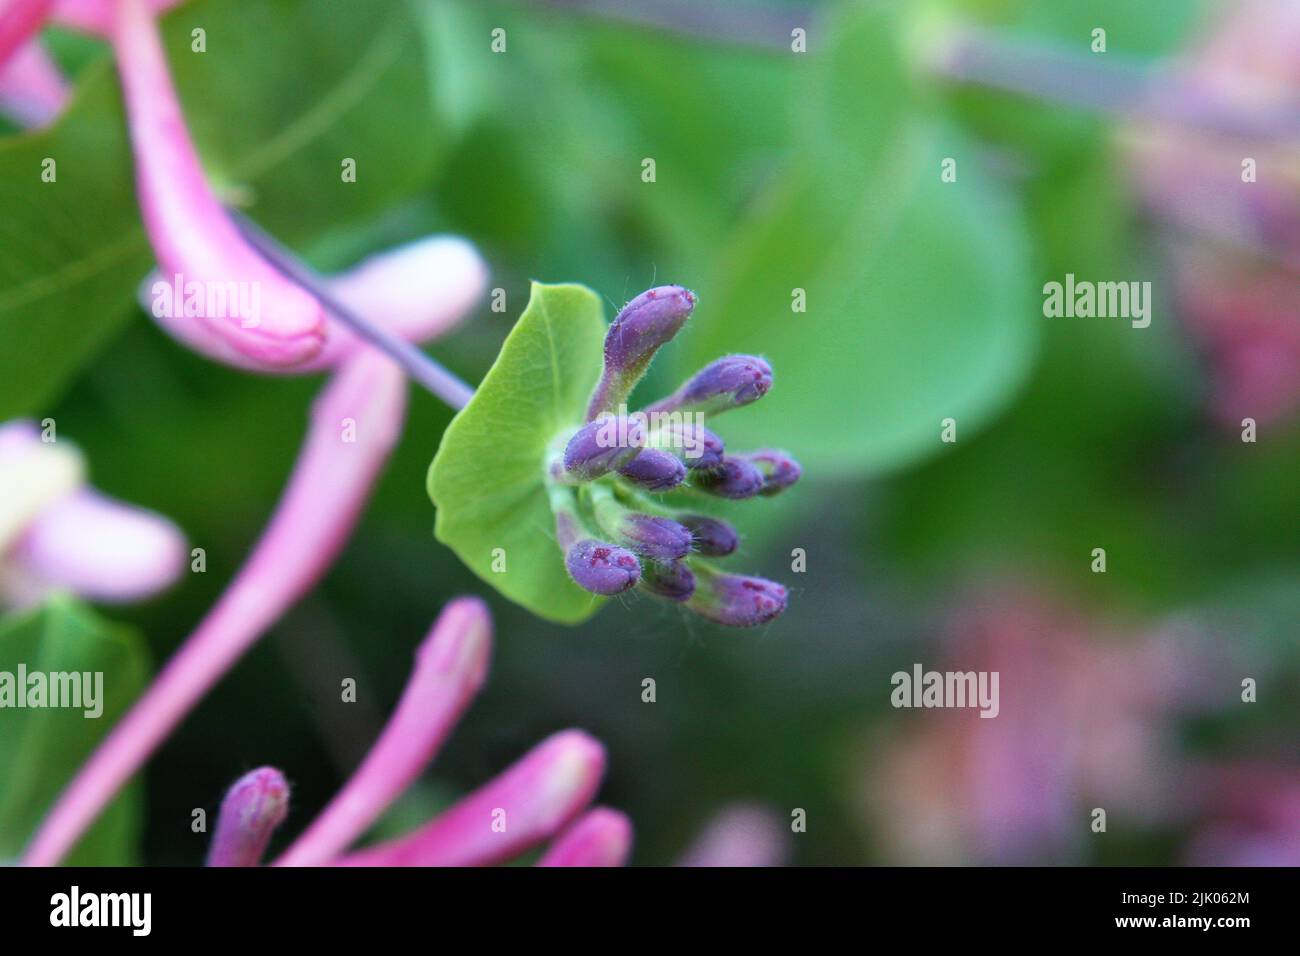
[[260, 314], [417, 291], [57, 533], [253, 808], [527, 805], [32, 90], [19, 21], [600, 837], [354, 424]]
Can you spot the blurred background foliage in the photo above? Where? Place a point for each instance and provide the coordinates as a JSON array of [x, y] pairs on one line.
[[774, 171]]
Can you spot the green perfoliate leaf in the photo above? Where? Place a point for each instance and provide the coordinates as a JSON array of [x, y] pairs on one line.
[[885, 298], [42, 747], [488, 479]]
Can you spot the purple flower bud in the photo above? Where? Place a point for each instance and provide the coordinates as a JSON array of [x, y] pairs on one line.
[[602, 568], [654, 470], [637, 332], [737, 600], [713, 538], [602, 446], [693, 443], [728, 382], [780, 471], [734, 478], [674, 581], [644, 324], [653, 537]]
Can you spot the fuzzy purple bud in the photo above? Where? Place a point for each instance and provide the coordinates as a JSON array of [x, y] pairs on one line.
[[637, 332], [737, 600], [653, 537], [674, 580], [602, 446], [713, 538], [728, 382], [654, 470], [780, 471], [735, 478], [693, 443], [602, 568]]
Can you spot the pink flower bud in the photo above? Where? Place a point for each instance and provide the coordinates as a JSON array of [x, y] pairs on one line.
[[450, 667], [256, 804], [600, 837], [522, 807]]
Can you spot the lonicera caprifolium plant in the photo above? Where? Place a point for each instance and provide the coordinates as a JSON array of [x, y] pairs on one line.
[[553, 491]]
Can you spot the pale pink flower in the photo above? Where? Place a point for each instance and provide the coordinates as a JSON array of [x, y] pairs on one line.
[[740, 834], [32, 90], [57, 533]]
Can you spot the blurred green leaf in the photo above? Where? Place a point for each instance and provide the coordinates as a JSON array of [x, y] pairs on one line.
[[916, 289], [41, 748], [291, 94], [487, 478]]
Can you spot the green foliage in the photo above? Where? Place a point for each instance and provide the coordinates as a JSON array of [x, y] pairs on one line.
[[915, 287], [41, 748], [488, 478], [284, 92]]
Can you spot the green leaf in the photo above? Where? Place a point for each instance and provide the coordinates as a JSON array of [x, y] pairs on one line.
[[488, 477], [41, 748], [917, 290], [284, 92]]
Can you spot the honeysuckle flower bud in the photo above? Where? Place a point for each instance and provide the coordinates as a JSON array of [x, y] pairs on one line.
[[779, 470], [735, 478], [260, 314], [256, 804], [603, 445], [692, 442], [522, 807], [672, 580], [740, 835], [713, 538], [654, 470], [736, 600], [600, 837], [57, 533], [450, 668], [651, 536], [602, 568], [418, 291], [637, 332], [33, 91], [728, 382]]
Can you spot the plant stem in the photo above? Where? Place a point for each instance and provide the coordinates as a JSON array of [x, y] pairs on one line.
[[1107, 84], [420, 367]]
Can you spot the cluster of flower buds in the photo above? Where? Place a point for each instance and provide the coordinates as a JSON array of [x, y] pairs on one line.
[[544, 798], [615, 535]]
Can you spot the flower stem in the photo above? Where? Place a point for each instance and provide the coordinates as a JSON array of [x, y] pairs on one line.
[[1110, 84], [420, 367]]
